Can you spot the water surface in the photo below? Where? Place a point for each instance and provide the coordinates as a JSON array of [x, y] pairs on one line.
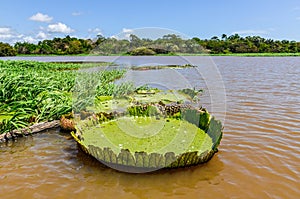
[[258, 157]]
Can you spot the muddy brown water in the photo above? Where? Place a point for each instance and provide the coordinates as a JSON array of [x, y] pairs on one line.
[[259, 156]]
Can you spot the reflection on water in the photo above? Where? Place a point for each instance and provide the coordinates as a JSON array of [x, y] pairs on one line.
[[259, 154]]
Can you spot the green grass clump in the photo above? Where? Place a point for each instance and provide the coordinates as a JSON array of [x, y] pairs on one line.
[[32, 92]]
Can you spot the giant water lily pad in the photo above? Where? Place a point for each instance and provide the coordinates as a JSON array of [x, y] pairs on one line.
[[148, 130]]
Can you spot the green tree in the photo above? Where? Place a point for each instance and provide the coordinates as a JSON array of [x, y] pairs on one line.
[[7, 50], [25, 48]]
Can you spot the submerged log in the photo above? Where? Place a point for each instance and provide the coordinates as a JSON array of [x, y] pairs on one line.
[[36, 128]]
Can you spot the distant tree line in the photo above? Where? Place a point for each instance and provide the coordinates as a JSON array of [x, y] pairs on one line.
[[168, 44], [250, 44], [58, 46]]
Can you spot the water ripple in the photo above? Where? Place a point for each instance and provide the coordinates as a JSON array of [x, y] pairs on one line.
[[258, 157]]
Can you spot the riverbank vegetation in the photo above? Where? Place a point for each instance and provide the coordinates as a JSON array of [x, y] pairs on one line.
[[167, 45], [32, 92]]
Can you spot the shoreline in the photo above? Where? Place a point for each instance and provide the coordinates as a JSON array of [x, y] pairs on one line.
[[35, 128], [165, 55]]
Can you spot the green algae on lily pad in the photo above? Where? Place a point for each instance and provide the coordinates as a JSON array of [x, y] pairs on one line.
[[147, 134], [148, 130]]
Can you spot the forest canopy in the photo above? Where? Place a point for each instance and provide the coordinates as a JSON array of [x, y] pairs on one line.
[[169, 44]]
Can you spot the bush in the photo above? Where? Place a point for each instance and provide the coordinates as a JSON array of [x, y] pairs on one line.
[[142, 51], [6, 50]]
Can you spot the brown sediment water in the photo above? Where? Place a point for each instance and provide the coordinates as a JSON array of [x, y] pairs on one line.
[[259, 155]]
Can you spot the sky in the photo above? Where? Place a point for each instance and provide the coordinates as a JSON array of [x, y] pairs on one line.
[[35, 20]]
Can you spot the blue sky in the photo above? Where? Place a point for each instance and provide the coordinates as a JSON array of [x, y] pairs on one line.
[[34, 20]]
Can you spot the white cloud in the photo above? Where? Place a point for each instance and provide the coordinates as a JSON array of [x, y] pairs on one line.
[[59, 28], [41, 17], [7, 34], [93, 33], [42, 35], [77, 13], [127, 30], [29, 39], [96, 31], [125, 34], [250, 32], [5, 30], [42, 28]]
